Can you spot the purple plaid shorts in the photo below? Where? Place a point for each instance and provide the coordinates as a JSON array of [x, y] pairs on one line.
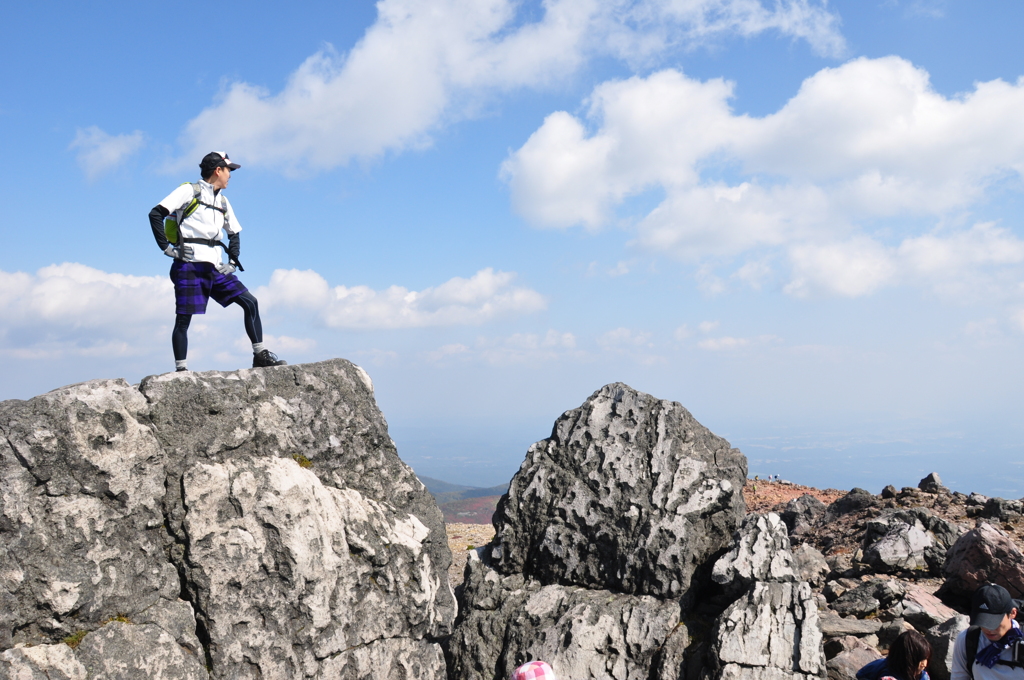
[[196, 282]]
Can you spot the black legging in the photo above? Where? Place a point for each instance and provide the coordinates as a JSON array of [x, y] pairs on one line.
[[253, 325]]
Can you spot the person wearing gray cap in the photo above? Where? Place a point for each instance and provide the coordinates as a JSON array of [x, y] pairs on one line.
[[993, 647], [187, 227]]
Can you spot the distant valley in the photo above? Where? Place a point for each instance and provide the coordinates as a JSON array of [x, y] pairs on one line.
[[465, 504]]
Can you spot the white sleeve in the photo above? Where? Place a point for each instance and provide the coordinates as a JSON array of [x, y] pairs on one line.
[[233, 226], [177, 198], [959, 670]]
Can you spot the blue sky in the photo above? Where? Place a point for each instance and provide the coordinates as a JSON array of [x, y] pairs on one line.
[[800, 220]]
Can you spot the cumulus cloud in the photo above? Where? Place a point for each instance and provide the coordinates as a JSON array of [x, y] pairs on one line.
[[961, 263], [426, 62], [99, 152], [727, 343], [866, 141], [484, 296], [73, 309]]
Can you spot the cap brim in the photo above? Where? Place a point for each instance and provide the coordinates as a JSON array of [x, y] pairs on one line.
[[987, 620], [233, 166]]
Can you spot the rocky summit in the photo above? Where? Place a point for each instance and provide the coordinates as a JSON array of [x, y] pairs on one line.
[[251, 524], [260, 524]]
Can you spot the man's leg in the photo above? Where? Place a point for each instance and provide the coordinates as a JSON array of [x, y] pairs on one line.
[[179, 340], [254, 329]]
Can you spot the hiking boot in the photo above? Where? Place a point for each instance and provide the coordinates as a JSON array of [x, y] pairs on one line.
[[267, 358], [180, 370]]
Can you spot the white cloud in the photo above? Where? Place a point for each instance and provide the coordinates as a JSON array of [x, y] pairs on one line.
[[1018, 319], [518, 348], [99, 151], [624, 337], [962, 264], [484, 296], [425, 62], [682, 333], [727, 343], [73, 296], [856, 267], [707, 326], [869, 140]]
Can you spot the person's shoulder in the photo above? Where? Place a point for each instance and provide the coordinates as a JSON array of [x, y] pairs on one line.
[[873, 670]]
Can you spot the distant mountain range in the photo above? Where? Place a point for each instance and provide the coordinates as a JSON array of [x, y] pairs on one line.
[[464, 504]]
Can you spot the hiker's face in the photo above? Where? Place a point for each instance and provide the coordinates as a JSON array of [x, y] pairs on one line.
[[994, 634], [221, 177]]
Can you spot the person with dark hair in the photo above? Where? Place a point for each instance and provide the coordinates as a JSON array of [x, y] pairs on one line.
[[200, 212], [993, 647], [907, 660]]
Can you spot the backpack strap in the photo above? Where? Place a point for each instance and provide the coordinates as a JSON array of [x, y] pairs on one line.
[[971, 647]]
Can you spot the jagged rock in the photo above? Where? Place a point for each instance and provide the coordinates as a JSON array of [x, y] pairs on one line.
[[760, 553], [125, 650], [941, 638], [41, 662], [272, 499], [889, 491], [801, 513], [868, 598], [811, 565], [1003, 510], [923, 609], [932, 484], [836, 646], [845, 664], [629, 493], [833, 625], [841, 563], [857, 499], [983, 554], [771, 632], [908, 540], [888, 633], [581, 633], [857, 602], [977, 499]]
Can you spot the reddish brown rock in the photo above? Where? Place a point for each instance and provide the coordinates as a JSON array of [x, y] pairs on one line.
[[983, 554]]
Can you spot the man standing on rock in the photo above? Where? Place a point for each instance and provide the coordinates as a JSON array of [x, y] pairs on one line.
[[192, 237], [993, 647]]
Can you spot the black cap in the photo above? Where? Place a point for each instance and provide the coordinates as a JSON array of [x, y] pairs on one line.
[[990, 605], [216, 159]]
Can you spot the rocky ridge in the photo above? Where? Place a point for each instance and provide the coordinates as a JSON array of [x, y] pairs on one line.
[[259, 524], [252, 524]]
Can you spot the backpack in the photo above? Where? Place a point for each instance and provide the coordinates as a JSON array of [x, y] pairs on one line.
[[172, 221]]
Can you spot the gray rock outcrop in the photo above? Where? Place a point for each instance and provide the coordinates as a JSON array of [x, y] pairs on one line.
[[258, 523], [629, 493], [761, 552], [801, 513], [908, 541], [772, 632], [606, 534]]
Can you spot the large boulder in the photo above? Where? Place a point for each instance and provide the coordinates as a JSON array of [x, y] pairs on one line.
[[856, 499], [629, 493], [272, 500], [982, 555], [912, 540], [607, 533], [801, 513]]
